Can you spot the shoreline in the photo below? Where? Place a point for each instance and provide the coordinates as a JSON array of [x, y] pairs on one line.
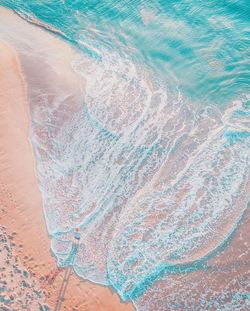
[[21, 202], [22, 212]]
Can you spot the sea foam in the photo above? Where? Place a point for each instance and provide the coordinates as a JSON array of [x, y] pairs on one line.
[[153, 182]]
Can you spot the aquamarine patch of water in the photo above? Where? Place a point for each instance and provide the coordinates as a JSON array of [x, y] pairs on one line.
[[201, 46], [154, 169]]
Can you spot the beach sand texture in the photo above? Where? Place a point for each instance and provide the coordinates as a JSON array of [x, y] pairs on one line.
[[29, 276]]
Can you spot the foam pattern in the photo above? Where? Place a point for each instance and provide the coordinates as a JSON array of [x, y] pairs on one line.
[[153, 182]]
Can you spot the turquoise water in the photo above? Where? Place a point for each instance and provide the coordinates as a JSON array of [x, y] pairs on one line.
[[154, 170], [201, 46]]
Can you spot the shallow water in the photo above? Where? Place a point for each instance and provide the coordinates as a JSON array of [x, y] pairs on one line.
[[154, 167], [201, 46]]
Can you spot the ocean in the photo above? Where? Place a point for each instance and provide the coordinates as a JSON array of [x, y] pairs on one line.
[[154, 170]]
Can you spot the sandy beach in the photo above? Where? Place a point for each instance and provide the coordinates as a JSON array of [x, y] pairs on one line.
[[30, 278], [34, 62]]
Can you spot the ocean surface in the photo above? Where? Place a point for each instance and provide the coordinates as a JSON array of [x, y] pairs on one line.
[[154, 171]]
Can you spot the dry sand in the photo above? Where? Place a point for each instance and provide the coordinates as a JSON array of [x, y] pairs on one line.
[[29, 276]]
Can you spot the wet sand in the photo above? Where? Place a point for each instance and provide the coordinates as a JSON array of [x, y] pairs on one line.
[[222, 285], [30, 277], [28, 269]]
